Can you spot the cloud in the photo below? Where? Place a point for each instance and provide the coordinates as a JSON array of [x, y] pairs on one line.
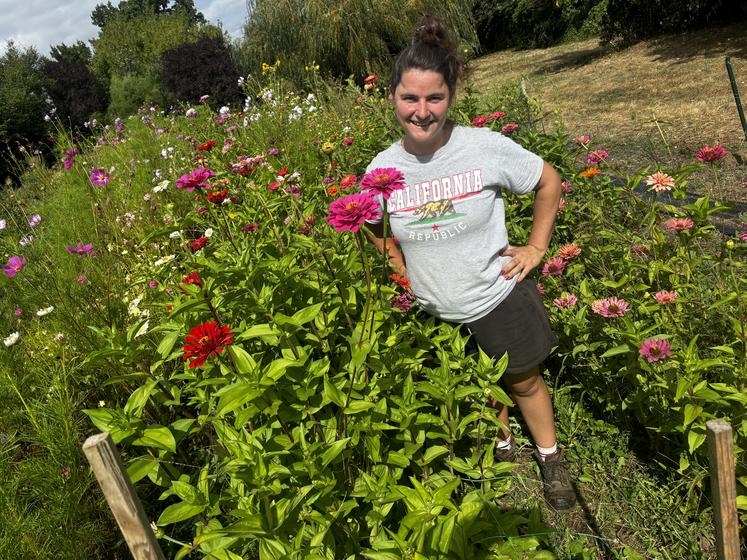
[[44, 23]]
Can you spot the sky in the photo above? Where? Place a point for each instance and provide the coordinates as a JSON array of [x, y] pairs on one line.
[[44, 23]]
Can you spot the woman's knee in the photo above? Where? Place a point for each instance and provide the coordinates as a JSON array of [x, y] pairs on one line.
[[524, 384]]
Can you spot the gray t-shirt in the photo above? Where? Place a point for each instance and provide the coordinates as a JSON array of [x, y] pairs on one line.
[[450, 221]]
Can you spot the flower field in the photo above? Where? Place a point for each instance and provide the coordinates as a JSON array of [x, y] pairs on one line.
[[199, 285]]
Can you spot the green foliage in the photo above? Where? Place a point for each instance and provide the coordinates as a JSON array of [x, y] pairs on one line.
[[132, 9], [217, 76], [74, 90], [130, 92], [352, 37]]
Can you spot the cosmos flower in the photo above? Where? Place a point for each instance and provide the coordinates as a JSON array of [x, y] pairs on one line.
[[15, 265], [80, 249], [99, 177]]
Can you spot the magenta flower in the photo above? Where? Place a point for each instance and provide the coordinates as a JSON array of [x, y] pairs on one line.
[[639, 249], [80, 249], [553, 267], [15, 265], [743, 232], [508, 128], [250, 228], [195, 179], [18, 312], [34, 221], [611, 307], [540, 289], [480, 120], [596, 157], [709, 154], [350, 212], [567, 300], [680, 224], [383, 181], [100, 177], [665, 297], [567, 187], [401, 302], [82, 279], [655, 349]]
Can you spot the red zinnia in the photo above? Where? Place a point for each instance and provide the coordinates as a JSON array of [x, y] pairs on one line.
[[192, 278], [480, 120], [199, 243], [205, 340], [207, 146], [217, 197], [348, 181], [401, 281]]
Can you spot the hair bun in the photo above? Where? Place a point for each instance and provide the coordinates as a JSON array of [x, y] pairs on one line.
[[433, 32]]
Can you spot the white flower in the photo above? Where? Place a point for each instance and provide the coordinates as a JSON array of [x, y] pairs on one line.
[[132, 307], [11, 339], [346, 128], [47, 118], [191, 112], [164, 260], [45, 311], [208, 233], [311, 109], [26, 240], [175, 234], [59, 337], [142, 330], [162, 186], [240, 81], [224, 110], [164, 154], [311, 97], [3, 223], [102, 404]]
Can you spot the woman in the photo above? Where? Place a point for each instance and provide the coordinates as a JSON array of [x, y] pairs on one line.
[[449, 220]]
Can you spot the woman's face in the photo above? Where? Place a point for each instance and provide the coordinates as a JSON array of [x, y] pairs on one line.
[[421, 103]]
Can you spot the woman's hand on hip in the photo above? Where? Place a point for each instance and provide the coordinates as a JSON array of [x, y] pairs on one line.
[[523, 261]]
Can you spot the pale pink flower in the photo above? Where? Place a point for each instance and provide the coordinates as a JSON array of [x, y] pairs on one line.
[[610, 307], [582, 140], [660, 182], [680, 224], [553, 267], [565, 301], [540, 288], [561, 205], [569, 251], [665, 297], [655, 349], [567, 187]]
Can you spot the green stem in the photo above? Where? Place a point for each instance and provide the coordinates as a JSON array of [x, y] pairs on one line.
[[367, 271]]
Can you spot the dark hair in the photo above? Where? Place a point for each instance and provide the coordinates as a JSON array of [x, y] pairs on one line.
[[432, 48]]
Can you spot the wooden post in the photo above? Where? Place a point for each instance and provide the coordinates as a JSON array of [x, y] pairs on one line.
[[723, 489], [120, 495]]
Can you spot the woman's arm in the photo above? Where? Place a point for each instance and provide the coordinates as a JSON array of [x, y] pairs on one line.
[[375, 233], [547, 197]]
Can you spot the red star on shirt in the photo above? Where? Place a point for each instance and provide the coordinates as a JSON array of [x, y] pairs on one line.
[[435, 227]]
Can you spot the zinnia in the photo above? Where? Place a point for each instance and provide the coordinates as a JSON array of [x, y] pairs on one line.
[[192, 278], [15, 265], [204, 341], [348, 181], [195, 179], [553, 267], [217, 197], [199, 243], [401, 302], [350, 212], [207, 146], [480, 120], [509, 128], [383, 181], [567, 300], [591, 172], [100, 177], [497, 115], [581, 140], [610, 307], [655, 349], [680, 224], [596, 157], [665, 297], [709, 154], [401, 281], [569, 251], [660, 182]]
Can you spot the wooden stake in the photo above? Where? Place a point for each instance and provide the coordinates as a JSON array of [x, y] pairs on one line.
[[723, 489], [107, 465]]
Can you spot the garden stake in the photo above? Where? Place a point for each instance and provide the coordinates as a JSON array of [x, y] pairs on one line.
[[723, 489], [107, 465], [735, 90]]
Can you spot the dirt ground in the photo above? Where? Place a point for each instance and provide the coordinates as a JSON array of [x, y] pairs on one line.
[[656, 102]]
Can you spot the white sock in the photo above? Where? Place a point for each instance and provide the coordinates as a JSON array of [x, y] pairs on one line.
[[545, 451], [505, 443]]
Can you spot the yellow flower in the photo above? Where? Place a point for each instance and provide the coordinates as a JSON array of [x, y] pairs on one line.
[[265, 68], [328, 148], [232, 215]]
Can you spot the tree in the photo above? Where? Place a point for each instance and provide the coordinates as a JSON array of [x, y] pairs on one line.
[[74, 90], [203, 67], [345, 37], [132, 9]]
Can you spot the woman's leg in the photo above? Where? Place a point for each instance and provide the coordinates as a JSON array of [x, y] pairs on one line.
[[503, 433], [530, 394]]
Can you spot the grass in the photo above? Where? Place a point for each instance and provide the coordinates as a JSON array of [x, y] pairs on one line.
[[655, 102]]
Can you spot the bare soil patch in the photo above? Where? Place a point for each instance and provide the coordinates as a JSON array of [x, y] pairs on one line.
[[619, 96]]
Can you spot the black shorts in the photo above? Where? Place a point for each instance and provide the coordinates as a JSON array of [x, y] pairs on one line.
[[518, 325]]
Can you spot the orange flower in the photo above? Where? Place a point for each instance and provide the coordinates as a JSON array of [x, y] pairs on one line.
[[591, 172], [332, 190]]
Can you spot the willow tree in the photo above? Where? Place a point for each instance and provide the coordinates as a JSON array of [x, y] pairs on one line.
[[346, 37]]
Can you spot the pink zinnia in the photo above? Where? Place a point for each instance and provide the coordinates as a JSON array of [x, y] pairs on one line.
[[383, 181], [596, 157], [100, 177], [497, 115], [540, 289], [665, 297], [680, 224], [569, 251], [567, 300], [195, 179], [350, 212], [660, 182], [610, 307], [581, 140], [655, 349], [508, 128], [709, 154], [553, 267], [480, 120], [401, 302], [743, 232], [567, 187]]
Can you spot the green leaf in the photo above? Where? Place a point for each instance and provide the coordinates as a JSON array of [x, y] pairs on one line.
[[333, 394], [358, 406], [622, 349], [742, 502], [307, 314], [334, 450], [139, 398], [434, 452], [694, 440], [260, 331], [179, 512], [691, 413], [243, 361], [141, 467], [160, 437], [235, 396]]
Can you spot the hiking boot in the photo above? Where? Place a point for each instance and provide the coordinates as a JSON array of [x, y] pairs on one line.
[[559, 492], [505, 455]]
